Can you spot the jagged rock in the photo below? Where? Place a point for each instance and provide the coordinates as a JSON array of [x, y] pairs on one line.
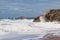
[[53, 15], [37, 19], [49, 15]]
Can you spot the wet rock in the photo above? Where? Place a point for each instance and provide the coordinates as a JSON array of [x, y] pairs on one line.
[[49, 15], [52, 15], [37, 19]]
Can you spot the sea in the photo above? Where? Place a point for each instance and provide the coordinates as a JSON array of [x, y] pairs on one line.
[[26, 29]]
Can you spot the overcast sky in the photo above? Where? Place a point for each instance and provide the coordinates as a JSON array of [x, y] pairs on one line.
[[30, 8]]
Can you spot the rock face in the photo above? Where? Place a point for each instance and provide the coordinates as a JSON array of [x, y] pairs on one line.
[[37, 19], [53, 15], [50, 15]]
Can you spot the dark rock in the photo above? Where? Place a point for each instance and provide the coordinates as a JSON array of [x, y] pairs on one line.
[[49, 15], [52, 15], [22, 17], [37, 19]]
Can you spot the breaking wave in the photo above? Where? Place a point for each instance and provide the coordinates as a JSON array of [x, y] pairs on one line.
[[26, 29]]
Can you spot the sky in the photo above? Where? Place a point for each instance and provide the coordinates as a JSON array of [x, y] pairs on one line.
[[28, 8]]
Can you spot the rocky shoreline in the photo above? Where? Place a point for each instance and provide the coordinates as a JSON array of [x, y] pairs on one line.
[[49, 15]]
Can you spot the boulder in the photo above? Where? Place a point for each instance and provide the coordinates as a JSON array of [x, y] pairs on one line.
[[49, 15], [36, 19], [39, 18], [52, 15]]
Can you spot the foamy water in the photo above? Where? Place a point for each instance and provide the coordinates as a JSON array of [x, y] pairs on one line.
[[26, 29]]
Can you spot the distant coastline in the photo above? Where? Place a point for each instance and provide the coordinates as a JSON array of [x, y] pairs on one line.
[[21, 17]]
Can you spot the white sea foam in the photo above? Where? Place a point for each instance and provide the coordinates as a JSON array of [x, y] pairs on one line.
[[14, 28]]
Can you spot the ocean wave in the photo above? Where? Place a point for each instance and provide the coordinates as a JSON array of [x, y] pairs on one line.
[[7, 27]]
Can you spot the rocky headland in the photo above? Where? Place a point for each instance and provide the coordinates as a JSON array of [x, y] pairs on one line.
[[49, 15]]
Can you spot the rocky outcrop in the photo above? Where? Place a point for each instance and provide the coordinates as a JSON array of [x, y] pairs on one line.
[[52, 15], [36, 19], [49, 15]]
